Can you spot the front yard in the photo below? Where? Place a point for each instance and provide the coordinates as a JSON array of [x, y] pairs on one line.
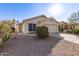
[[26, 45]]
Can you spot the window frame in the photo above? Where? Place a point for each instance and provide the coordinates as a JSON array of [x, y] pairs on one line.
[[32, 28]]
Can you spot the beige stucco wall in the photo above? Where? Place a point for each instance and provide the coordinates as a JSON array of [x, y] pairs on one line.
[[52, 26], [77, 26], [25, 24]]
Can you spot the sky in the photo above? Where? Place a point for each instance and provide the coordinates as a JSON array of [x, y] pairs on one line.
[[20, 11]]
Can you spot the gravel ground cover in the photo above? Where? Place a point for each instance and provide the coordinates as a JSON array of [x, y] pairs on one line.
[[26, 45]]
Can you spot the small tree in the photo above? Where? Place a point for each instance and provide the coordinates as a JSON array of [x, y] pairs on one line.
[[42, 32], [74, 18]]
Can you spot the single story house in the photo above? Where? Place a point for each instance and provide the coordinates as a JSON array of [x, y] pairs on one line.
[[18, 27], [29, 25], [67, 26]]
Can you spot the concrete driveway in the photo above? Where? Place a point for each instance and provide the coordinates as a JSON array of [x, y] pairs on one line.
[[71, 37]]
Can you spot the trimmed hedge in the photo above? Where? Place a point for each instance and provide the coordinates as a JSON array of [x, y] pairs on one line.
[[76, 31], [42, 32]]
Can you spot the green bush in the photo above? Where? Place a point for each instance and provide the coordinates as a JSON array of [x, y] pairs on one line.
[[12, 29], [5, 32], [69, 31], [42, 32], [75, 31], [6, 36], [60, 28]]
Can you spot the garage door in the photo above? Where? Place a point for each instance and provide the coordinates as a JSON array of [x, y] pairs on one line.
[[52, 28]]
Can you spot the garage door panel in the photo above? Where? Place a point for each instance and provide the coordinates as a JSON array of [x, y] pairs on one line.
[[52, 28]]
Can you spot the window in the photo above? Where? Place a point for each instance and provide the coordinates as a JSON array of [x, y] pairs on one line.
[[32, 27]]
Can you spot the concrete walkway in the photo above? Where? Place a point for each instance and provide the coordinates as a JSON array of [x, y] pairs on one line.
[[71, 38]]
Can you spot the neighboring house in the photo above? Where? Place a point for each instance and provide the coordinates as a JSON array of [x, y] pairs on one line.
[[73, 26], [76, 26], [63, 25], [29, 25], [18, 27], [68, 27]]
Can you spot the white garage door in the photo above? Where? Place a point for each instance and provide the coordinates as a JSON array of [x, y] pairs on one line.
[[52, 28]]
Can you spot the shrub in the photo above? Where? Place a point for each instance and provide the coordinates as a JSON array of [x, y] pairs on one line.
[[6, 36], [69, 31], [76, 31], [60, 28], [12, 29], [42, 32], [5, 32]]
